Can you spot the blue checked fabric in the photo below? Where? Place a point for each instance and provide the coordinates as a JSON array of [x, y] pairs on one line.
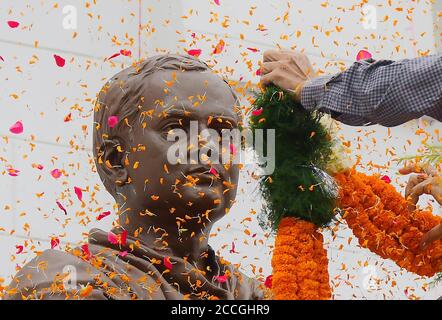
[[379, 92]]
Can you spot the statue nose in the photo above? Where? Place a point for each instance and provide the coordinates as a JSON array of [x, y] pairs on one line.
[[209, 145]]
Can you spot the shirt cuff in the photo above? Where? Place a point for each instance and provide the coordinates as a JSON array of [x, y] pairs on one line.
[[313, 92]]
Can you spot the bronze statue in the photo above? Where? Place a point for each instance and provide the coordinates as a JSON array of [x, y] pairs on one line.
[[160, 248]]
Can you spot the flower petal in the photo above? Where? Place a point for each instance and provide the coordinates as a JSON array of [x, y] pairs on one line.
[[362, 55], [59, 61], [16, 128]]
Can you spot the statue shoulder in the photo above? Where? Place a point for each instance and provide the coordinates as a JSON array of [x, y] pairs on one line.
[[48, 275]]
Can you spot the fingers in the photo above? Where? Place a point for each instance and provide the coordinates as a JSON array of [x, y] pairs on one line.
[[276, 55], [431, 236], [268, 79], [412, 182], [419, 168], [268, 67], [418, 190]]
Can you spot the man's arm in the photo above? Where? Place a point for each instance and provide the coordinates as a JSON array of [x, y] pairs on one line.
[[368, 92]]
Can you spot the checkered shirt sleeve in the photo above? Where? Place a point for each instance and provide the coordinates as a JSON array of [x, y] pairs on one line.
[[379, 92]]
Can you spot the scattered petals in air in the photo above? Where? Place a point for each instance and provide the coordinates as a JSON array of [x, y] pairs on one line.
[[61, 207], [79, 192], [219, 47], [19, 249], [213, 171], [386, 179], [363, 54], [16, 128], [253, 49], [221, 279], [232, 149], [86, 252], [167, 263], [112, 121], [103, 215], [55, 242], [113, 56], [56, 173], [194, 52], [59, 61], [268, 282], [1, 58], [13, 24], [112, 237], [126, 53], [13, 172], [37, 166], [86, 291], [257, 112]]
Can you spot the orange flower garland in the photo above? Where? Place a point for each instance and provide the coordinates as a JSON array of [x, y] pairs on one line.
[[300, 263], [380, 219]]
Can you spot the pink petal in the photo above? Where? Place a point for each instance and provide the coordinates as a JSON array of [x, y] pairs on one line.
[[232, 149], [61, 207], [258, 72], [13, 24], [253, 49], [268, 282], [221, 279], [122, 253], [386, 179], [86, 252], [79, 193], [213, 171], [16, 128], [126, 53], [233, 248], [219, 47], [167, 263], [112, 237], [194, 52], [257, 112], [112, 121], [123, 238], [19, 249], [113, 56], [362, 55], [217, 2], [1, 58], [38, 166], [54, 242], [13, 172], [103, 215], [56, 173], [59, 61]]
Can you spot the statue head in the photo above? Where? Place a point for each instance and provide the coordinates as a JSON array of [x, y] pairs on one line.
[[136, 114]]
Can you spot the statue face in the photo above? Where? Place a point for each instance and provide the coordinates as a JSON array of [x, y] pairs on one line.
[[174, 100]]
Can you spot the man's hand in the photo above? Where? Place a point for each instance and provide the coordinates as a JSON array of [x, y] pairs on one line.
[[427, 181], [286, 69], [431, 236]]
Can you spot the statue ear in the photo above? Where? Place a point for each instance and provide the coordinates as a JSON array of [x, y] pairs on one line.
[[112, 158]]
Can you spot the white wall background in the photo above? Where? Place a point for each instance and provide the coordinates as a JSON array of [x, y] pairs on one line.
[[41, 95]]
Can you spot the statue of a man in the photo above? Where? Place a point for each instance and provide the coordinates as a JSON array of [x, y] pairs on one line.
[[159, 247]]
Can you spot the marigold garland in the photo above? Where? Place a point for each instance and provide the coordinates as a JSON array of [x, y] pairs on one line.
[[380, 219], [299, 196], [300, 263]]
